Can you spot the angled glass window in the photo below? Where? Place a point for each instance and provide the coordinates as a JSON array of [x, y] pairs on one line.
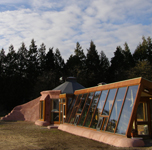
[[80, 109], [99, 109], [82, 103], [85, 109], [75, 109], [109, 102], [127, 110], [116, 109], [99, 124], [105, 119], [92, 108], [70, 101], [70, 108]]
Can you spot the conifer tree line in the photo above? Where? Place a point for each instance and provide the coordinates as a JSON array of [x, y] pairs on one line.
[[26, 72]]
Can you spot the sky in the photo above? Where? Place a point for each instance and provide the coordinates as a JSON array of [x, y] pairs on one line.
[[63, 23]]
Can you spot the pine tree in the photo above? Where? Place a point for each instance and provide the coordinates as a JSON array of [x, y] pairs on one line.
[[49, 62], [92, 66], [2, 63], [11, 62], [104, 67], [116, 70], [142, 53], [128, 58], [141, 69], [149, 50], [33, 71], [75, 65], [22, 60], [41, 57]]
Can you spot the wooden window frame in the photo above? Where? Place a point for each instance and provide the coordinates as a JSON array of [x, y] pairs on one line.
[[76, 108], [88, 109], [111, 109], [73, 107], [95, 109], [83, 108], [121, 109], [41, 110], [134, 109]]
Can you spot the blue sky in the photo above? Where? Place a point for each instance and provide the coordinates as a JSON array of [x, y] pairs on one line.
[[62, 23]]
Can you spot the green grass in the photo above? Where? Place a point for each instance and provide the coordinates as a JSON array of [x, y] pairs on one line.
[[22, 135]]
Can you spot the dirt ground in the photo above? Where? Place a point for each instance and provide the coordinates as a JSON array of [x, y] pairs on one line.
[[27, 136]]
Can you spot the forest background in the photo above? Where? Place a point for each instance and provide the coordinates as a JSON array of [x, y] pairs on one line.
[[27, 72]]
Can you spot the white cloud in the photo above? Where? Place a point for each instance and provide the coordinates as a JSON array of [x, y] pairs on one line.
[[60, 24]]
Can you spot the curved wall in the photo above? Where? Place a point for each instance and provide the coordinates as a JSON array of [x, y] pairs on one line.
[[26, 112]]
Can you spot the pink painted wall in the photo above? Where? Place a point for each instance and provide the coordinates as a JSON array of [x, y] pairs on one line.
[[30, 111], [26, 112], [105, 137]]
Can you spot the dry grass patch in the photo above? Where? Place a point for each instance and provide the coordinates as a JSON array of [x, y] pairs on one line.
[[27, 136]]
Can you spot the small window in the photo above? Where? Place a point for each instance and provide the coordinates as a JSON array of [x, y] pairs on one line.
[[143, 129], [99, 124], [142, 112], [105, 119], [55, 107]]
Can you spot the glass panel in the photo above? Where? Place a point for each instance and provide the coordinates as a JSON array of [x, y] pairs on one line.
[[99, 109], [63, 100], [75, 109], [116, 109], [55, 107], [142, 112], [109, 102], [82, 103], [69, 102], [92, 108], [61, 114], [55, 110], [143, 129], [61, 118], [64, 110], [55, 116], [85, 110], [72, 102], [127, 109], [98, 126], [104, 123], [76, 119], [41, 109]]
